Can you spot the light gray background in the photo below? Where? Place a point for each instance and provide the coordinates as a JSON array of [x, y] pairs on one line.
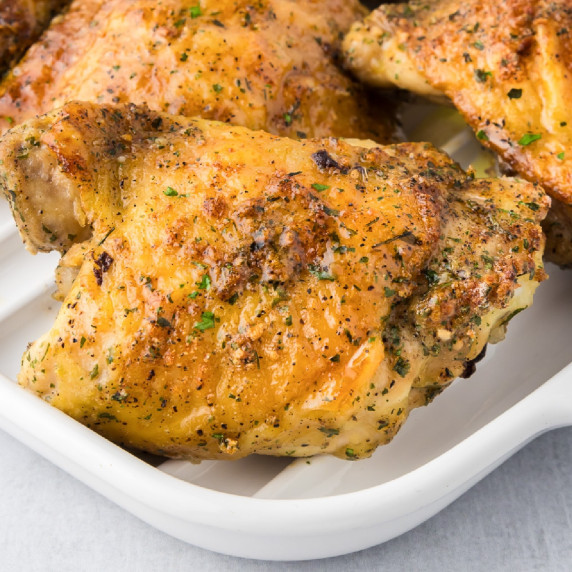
[[519, 518]]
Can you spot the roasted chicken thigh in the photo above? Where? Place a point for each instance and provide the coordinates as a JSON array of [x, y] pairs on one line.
[[228, 292], [507, 66], [21, 22], [269, 64]]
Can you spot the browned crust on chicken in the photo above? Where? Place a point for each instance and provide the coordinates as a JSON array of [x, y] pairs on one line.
[[246, 293], [21, 23], [266, 65], [507, 66]]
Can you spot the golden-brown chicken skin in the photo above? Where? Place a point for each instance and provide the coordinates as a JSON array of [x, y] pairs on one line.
[[507, 66], [266, 65], [21, 23], [228, 292]]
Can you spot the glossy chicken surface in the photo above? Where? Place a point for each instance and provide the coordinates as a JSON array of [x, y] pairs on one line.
[[268, 65], [228, 292], [21, 23], [507, 66]]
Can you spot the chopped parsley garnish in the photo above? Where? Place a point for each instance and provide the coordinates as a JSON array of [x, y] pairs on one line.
[[163, 322], [94, 372], [288, 321], [318, 187], [402, 366], [561, 156], [512, 315], [482, 75], [205, 282], [195, 11], [488, 261], [482, 135], [329, 431], [170, 192], [217, 88], [529, 138], [330, 212], [388, 292], [207, 322], [321, 274], [432, 276]]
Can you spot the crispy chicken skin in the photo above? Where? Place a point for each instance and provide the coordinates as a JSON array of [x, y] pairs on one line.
[[21, 22], [228, 292], [507, 66], [266, 65]]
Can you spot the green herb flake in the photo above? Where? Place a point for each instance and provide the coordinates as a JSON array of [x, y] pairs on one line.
[[318, 187], [512, 315], [335, 358], [330, 212], [205, 282], [350, 453], [321, 274], [217, 88], [529, 138], [82, 342], [195, 11], [561, 156], [288, 321], [207, 322], [432, 276], [94, 372], [481, 75], [329, 431], [482, 135], [163, 322], [388, 292], [170, 192], [515, 93], [488, 261], [402, 366]]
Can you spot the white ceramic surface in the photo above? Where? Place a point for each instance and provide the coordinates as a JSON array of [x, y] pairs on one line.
[[292, 510]]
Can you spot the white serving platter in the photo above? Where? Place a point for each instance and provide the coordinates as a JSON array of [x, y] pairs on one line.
[[283, 509]]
